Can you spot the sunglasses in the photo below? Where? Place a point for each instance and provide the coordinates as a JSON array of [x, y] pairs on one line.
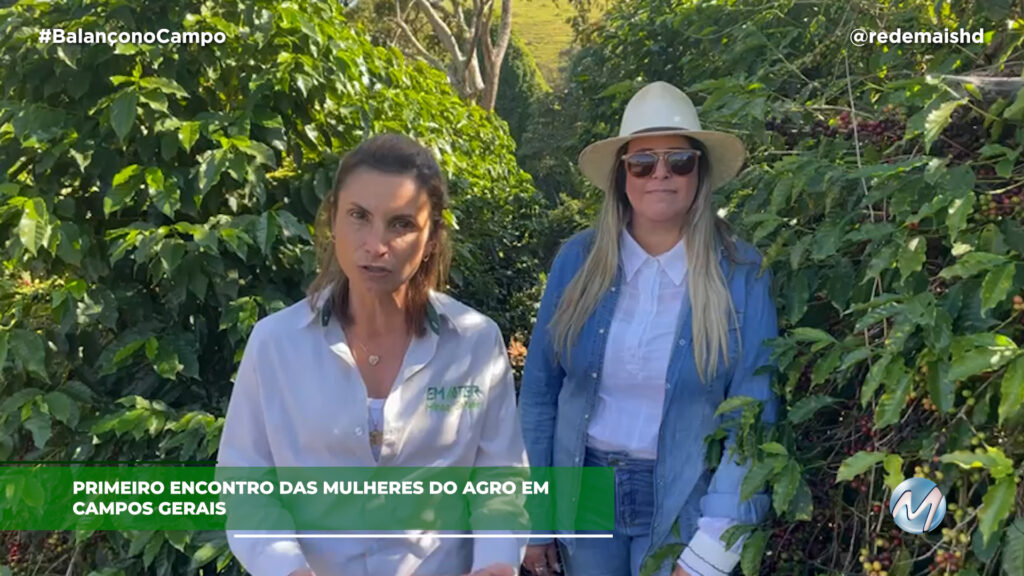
[[679, 162]]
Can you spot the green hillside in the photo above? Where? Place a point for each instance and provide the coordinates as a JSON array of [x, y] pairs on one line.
[[544, 27]]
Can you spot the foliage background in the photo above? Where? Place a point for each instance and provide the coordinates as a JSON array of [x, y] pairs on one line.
[[883, 187], [157, 200], [897, 249]]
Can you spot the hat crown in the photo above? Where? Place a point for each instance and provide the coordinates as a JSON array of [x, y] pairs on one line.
[[659, 105]]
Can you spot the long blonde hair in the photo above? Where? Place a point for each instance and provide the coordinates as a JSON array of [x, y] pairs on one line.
[[705, 232]]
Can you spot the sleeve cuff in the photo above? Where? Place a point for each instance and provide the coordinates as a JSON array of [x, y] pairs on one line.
[[487, 551], [279, 558], [707, 556]]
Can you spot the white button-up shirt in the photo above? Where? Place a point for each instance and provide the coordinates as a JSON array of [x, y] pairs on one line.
[[299, 400], [631, 396], [627, 415]]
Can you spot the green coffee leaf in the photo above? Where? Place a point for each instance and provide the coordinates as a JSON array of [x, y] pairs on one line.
[[61, 407], [996, 506], [1013, 547], [807, 406], [997, 286], [734, 403], [912, 255], [211, 169], [774, 448], [4, 337], [858, 464], [973, 263], [122, 111], [165, 85], [1011, 391], [40, 425], [785, 486], [893, 465], [753, 552], [894, 399], [29, 349], [938, 119], [34, 227], [989, 458], [756, 476], [188, 134]]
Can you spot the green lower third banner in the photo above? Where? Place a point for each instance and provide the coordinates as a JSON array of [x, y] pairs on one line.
[[83, 497]]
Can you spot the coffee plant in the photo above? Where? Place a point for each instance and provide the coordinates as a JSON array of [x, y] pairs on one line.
[[156, 200], [883, 188]]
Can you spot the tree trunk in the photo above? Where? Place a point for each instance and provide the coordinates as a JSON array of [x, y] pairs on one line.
[[464, 62], [495, 55]]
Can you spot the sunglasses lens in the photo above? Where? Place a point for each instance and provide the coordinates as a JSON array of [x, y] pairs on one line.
[[642, 164], [682, 163]]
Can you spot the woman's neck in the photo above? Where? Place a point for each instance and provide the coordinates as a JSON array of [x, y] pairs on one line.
[[655, 237], [376, 314]]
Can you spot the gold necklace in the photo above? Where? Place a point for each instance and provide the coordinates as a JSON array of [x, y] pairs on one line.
[[373, 359]]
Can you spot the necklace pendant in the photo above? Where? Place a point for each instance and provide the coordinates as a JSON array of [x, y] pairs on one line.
[[374, 359]]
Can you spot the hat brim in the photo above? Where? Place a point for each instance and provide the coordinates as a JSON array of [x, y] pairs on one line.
[[726, 155]]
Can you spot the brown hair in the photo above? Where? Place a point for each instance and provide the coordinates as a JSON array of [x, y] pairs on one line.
[[390, 154]]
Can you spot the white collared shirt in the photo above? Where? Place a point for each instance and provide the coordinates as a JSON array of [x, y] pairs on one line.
[[631, 395], [299, 400], [632, 389]]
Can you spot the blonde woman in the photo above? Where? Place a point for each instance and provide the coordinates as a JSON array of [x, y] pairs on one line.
[[345, 377], [648, 322]]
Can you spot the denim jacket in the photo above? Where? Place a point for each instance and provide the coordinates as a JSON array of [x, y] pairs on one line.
[[557, 397]]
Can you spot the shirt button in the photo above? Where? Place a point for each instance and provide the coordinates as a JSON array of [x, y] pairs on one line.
[[682, 341], [593, 375], [577, 461], [586, 416], [614, 288], [600, 331], [359, 431]]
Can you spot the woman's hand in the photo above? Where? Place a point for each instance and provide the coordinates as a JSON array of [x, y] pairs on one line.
[[497, 569], [680, 571], [541, 559]]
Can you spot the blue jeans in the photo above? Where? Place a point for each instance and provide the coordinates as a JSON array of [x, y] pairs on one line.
[[623, 554]]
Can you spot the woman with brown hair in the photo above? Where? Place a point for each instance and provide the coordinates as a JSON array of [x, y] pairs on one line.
[[343, 378]]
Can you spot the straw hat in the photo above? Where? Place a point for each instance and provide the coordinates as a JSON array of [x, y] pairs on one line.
[[658, 109]]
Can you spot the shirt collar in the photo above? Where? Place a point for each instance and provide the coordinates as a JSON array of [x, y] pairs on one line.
[[634, 256], [436, 313]]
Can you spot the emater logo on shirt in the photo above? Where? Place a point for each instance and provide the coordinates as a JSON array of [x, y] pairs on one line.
[[446, 398]]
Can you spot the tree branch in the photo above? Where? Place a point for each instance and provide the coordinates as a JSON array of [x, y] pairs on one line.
[[470, 71], [474, 28], [423, 52], [459, 15], [441, 30], [496, 55], [485, 43]]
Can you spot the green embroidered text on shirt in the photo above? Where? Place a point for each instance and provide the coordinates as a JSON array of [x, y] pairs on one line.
[[446, 398]]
